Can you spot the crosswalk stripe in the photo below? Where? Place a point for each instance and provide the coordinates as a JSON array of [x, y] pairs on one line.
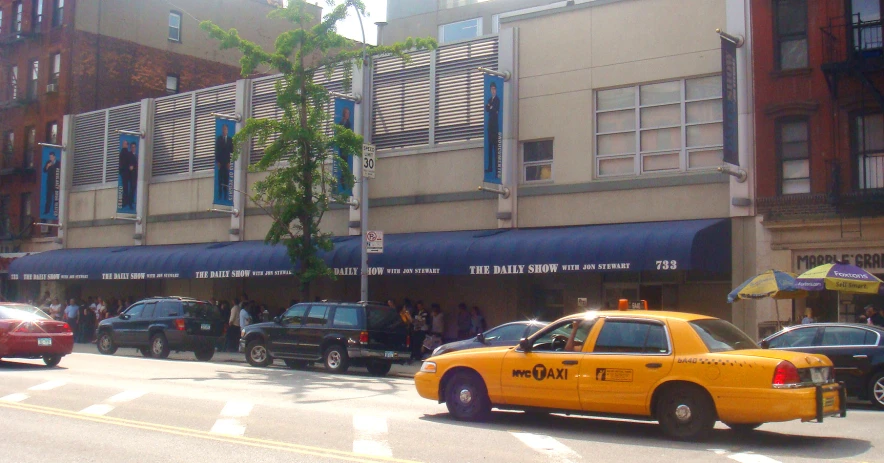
[[47, 386], [229, 423], [97, 409], [370, 436], [126, 396], [555, 450], [15, 397]]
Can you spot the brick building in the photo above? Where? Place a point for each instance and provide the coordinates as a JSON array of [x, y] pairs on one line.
[[819, 78], [72, 56]]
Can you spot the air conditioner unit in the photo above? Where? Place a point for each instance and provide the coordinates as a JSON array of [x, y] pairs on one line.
[[44, 229], [52, 88]]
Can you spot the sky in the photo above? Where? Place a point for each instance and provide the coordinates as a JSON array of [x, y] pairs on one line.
[[377, 11]]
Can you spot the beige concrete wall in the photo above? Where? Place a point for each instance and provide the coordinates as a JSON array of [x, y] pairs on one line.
[[428, 173], [334, 222], [100, 237], [195, 195], [188, 231], [92, 205], [459, 215]]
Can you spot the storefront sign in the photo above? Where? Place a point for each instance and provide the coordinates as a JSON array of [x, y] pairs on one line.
[[872, 260], [493, 124], [127, 175], [224, 171]]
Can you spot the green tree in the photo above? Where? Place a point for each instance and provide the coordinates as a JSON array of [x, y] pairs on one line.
[[299, 185]]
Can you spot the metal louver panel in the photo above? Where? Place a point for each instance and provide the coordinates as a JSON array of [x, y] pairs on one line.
[[126, 117], [263, 107], [89, 133], [401, 114], [171, 142], [459, 89], [215, 100]]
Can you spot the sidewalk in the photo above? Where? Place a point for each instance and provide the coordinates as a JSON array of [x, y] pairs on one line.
[[399, 371]]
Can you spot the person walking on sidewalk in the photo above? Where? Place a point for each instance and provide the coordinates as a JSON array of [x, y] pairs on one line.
[[233, 332], [420, 323]]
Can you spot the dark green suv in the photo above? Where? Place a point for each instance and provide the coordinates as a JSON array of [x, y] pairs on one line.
[[338, 334], [158, 325]]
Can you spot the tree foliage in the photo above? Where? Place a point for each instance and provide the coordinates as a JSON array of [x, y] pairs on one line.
[[299, 150]]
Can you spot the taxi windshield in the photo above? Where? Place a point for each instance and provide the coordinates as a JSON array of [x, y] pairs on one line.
[[721, 336]]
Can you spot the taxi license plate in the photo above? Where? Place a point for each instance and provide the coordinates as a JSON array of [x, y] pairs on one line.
[[389, 354], [817, 376], [206, 327], [44, 341]]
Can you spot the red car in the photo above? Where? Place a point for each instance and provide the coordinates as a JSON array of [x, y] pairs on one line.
[[27, 332]]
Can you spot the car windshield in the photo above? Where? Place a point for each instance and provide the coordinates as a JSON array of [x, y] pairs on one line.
[[202, 310], [381, 318], [22, 313], [721, 336]]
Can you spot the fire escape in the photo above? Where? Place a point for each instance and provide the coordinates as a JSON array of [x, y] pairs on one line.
[[854, 70]]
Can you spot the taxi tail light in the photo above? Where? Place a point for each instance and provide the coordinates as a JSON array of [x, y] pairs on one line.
[[179, 324], [363, 337], [786, 374]]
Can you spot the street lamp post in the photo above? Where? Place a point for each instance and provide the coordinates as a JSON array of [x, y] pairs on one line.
[[363, 187]]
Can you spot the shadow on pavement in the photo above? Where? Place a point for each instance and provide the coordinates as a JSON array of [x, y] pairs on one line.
[[22, 365]]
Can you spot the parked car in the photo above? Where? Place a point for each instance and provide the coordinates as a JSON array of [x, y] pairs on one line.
[[27, 332], [856, 350], [159, 325], [508, 334], [337, 334]]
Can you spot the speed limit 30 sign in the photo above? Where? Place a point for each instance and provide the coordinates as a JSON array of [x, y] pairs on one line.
[[368, 160]]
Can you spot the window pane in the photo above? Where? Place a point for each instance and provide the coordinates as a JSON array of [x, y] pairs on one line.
[[710, 158], [294, 315], [661, 139], [796, 169], [621, 143], [659, 162], [661, 116], [616, 121], [794, 131], [792, 187], [791, 16], [174, 20], [506, 333], [705, 135], [461, 30], [318, 315], [616, 166], [843, 336], [797, 150], [622, 337], [618, 98], [538, 151], [704, 87], [793, 54], [657, 342], [801, 337], [870, 132], [666, 92], [704, 111], [540, 172], [346, 317]]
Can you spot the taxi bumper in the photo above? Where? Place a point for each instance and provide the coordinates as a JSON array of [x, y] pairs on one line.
[[427, 385], [813, 403]]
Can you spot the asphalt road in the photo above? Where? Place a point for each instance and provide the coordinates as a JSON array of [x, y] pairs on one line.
[[96, 408]]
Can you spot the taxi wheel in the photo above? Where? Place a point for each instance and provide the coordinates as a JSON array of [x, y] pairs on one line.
[[876, 390], [51, 360], [743, 428], [467, 398], [685, 413], [257, 354]]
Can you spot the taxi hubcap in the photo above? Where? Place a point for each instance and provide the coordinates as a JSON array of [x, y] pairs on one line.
[[683, 413], [465, 396], [879, 391], [258, 353]]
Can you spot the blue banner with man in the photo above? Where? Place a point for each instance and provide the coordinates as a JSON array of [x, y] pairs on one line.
[[127, 177], [343, 116], [493, 108], [224, 131], [51, 183]]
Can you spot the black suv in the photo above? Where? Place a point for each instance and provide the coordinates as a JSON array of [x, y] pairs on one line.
[[158, 325], [335, 333]]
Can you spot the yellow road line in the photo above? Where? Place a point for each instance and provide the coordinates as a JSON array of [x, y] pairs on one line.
[[186, 432]]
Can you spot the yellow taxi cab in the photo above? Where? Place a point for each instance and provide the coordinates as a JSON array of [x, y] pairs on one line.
[[685, 371]]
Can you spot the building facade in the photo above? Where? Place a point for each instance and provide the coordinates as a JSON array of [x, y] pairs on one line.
[[820, 142], [611, 140]]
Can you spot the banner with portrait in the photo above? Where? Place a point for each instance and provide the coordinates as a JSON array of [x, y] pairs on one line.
[[343, 116], [50, 183], [225, 129], [729, 102], [493, 108], [127, 177]]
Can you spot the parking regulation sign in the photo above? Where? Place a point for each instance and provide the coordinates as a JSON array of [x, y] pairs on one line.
[[375, 241]]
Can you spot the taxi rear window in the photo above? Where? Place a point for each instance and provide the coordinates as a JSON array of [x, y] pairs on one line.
[[721, 336]]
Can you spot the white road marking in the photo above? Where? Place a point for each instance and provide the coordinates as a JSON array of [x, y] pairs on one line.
[[229, 423], [555, 450], [370, 436], [751, 458], [48, 386], [14, 398], [97, 409], [126, 396]]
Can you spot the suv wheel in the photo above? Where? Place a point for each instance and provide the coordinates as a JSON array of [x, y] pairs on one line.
[[336, 359], [159, 346], [106, 343], [876, 390], [376, 368], [205, 354], [257, 355]]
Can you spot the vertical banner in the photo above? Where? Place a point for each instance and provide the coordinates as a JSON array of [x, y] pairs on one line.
[[127, 178], [729, 101], [493, 123], [51, 183], [224, 131], [344, 110]]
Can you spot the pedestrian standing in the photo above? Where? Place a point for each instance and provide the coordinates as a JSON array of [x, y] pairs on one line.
[[437, 329], [463, 322], [100, 310], [477, 321], [245, 319], [233, 332], [55, 309], [421, 327], [808, 316], [71, 316], [874, 316]]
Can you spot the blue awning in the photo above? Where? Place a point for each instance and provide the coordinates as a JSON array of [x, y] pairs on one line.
[[678, 245]]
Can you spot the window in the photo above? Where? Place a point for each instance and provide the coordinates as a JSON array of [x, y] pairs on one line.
[[52, 133], [168, 309], [508, 333], [801, 337], [24, 221], [8, 149], [1, 21], [30, 146], [346, 317], [383, 318], [866, 22], [294, 315], [461, 30], [17, 17], [721, 336], [201, 310], [171, 84], [537, 159], [55, 68], [135, 310], [174, 26], [5, 225], [57, 13], [868, 141], [36, 15], [148, 311], [834, 336], [632, 337], [318, 316], [794, 154], [33, 75], [555, 337], [13, 83], [671, 126], [790, 27]]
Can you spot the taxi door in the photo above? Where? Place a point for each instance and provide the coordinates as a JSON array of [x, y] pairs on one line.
[[628, 357], [547, 375]]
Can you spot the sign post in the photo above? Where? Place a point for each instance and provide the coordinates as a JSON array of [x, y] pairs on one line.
[[375, 242]]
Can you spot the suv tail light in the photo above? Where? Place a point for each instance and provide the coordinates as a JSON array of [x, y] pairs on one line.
[[408, 341], [179, 324], [363, 337], [785, 375]]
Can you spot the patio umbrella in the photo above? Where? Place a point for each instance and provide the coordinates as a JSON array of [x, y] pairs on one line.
[[840, 277], [772, 283]]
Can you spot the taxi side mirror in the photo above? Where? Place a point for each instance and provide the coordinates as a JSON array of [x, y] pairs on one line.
[[481, 338], [525, 345], [765, 344]]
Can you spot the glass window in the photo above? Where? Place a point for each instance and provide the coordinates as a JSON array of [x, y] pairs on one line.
[[8, 149], [33, 77], [555, 337], [869, 150], [55, 68], [36, 15], [383, 318], [294, 315], [794, 153], [30, 146], [148, 312], [631, 337], [17, 16], [5, 220], [537, 159], [57, 13], [168, 309], [800, 337], [13, 83], [174, 26], [512, 333], [346, 317], [843, 336], [533, 329], [201, 310], [171, 84], [20, 312], [1, 21], [791, 33], [721, 336], [135, 310], [317, 316], [52, 133], [461, 30]]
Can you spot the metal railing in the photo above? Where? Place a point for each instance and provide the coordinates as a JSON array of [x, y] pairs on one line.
[[845, 41]]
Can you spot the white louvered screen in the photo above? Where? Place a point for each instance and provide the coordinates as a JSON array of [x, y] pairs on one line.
[[401, 114], [459, 89], [89, 134], [263, 107], [126, 117], [216, 100], [171, 142], [332, 83]]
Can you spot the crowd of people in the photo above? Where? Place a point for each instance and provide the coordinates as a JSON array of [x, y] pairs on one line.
[[430, 329], [83, 315]]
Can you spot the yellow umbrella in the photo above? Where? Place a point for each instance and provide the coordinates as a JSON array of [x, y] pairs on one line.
[[772, 283]]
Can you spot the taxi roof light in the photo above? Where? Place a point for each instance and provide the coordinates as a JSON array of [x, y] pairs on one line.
[[626, 304]]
